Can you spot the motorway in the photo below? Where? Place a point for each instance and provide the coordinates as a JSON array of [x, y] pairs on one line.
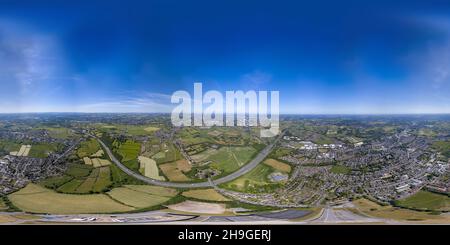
[[245, 169]]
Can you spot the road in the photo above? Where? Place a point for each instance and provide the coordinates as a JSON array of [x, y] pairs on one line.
[[339, 215], [245, 169]]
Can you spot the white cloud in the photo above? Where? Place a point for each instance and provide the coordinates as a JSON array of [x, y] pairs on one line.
[[147, 103]]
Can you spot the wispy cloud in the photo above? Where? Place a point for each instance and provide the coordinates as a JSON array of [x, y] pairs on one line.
[[145, 103]]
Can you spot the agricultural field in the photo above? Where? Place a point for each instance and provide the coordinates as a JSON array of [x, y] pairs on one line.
[[425, 200], [78, 170], [168, 153], [96, 162], [58, 132], [138, 198], [80, 179], [154, 190], [255, 181], [99, 153], [280, 166], [443, 147], [175, 170], [22, 152], [42, 150], [98, 180], [132, 130], [229, 159], [8, 146], [206, 194], [216, 135], [36, 199], [88, 148], [149, 168], [389, 212], [128, 150]]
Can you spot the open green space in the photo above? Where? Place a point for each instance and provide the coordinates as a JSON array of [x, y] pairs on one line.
[[36, 199], [443, 147], [88, 148], [340, 169], [80, 179], [425, 200], [58, 132], [132, 130], [168, 153], [138, 198], [42, 150], [206, 194], [7, 146], [128, 150], [229, 159], [254, 181]]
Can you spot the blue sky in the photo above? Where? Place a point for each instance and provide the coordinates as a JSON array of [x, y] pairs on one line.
[[323, 56]]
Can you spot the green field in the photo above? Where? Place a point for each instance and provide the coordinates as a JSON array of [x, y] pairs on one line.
[[120, 178], [154, 190], [340, 169], [206, 194], [55, 182], [58, 132], [42, 150], [128, 150], [443, 147], [80, 179], [229, 159], [138, 198], [254, 181], [78, 170], [425, 200], [88, 148], [37, 199], [133, 130], [168, 153], [8, 146]]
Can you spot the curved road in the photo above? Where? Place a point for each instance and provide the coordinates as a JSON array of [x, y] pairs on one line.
[[245, 169]]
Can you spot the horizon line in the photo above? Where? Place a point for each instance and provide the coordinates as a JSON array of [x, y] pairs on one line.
[[316, 114]]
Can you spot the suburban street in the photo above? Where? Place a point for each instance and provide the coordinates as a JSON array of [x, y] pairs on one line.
[[245, 169]]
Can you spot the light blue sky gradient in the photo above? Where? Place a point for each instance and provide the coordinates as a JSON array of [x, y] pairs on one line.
[[323, 57]]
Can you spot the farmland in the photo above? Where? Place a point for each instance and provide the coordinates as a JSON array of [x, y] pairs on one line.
[[58, 132], [137, 197], [80, 179], [96, 162], [389, 212], [8, 146], [133, 130], [205, 194], [36, 199], [254, 181], [443, 147], [42, 150], [88, 148], [128, 150], [229, 159], [425, 200], [175, 170], [168, 153], [22, 152], [280, 166], [149, 167]]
